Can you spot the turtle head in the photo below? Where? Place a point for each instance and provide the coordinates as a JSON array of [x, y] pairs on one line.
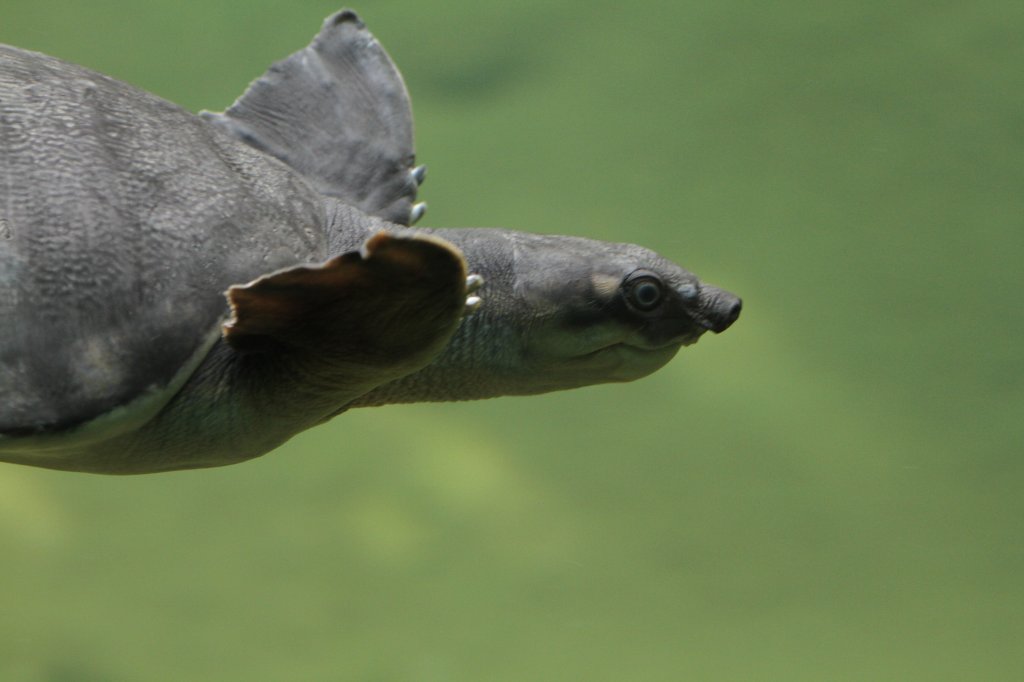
[[596, 312], [562, 312]]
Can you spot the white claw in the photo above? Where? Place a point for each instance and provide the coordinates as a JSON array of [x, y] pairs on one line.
[[473, 283], [473, 304], [417, 212], [419, 174]]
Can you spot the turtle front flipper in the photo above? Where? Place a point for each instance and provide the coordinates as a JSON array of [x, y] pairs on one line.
[[339, 114], [359, 319]]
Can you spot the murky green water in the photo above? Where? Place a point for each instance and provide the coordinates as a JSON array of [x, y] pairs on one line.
[[829, 491]]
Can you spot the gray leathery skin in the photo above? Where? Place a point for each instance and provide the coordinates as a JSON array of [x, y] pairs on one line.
[[126, 218]]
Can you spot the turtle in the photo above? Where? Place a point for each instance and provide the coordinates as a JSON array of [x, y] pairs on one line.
[[184, 290]]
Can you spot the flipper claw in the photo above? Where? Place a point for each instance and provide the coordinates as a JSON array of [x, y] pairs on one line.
[[473, 304], [419, 174], [417, 211], [473, 283]]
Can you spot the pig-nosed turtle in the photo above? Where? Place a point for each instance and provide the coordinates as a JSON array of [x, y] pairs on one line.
[[124, 220]]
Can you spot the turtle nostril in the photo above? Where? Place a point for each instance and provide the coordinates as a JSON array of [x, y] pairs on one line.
[[726, 312], [734, 310], [721, 308]]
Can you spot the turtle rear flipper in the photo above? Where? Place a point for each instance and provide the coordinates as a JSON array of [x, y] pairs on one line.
[[363, 317], [339, 114]]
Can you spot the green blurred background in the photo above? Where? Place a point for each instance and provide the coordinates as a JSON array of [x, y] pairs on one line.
[[832, 490]]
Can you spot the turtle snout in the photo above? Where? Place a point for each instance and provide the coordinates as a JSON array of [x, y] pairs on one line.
[[719, 308]]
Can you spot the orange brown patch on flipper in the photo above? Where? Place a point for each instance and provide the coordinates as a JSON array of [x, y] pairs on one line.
[[396, 302]]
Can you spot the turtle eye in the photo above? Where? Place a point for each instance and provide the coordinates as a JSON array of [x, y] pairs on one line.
[[643, 291]]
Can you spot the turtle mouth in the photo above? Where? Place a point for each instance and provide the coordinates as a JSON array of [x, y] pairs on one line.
[[688, 340], [628, 360], [582, 355], [652, 339]]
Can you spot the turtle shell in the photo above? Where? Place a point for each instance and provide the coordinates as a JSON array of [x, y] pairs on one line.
[[123, 220]]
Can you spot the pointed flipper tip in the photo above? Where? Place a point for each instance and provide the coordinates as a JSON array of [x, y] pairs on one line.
[[345, 16]]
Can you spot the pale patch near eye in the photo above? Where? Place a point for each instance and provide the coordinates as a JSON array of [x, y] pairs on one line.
[[605, 285]]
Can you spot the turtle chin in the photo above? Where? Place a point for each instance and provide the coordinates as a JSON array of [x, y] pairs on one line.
[[690, 339], [636, 357]]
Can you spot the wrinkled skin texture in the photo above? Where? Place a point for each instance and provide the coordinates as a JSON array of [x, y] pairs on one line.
[[180, 291], [113, 280]]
